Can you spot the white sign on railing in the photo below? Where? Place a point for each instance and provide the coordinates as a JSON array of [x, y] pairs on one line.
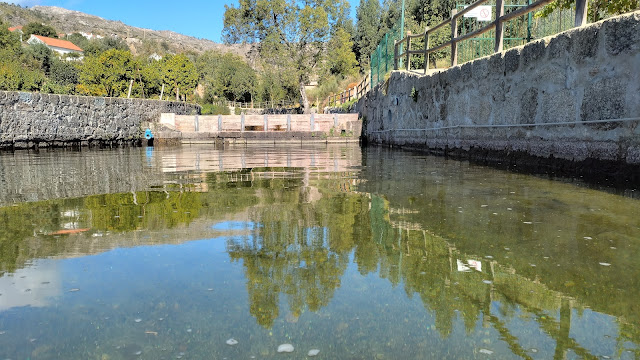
[[481, 13]]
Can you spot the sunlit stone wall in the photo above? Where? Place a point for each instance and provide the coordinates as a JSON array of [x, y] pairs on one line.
[[551, 99], [33, 119]]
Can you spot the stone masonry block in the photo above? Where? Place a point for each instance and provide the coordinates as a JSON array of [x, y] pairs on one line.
[[559, 46], [480, 68], [622, 34], [585, 42], [529, 106], [496, 64], [533, 52], [604, 100], [512, 60]]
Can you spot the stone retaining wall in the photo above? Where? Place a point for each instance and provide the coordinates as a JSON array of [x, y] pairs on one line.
[[39, 120], [574, 96]]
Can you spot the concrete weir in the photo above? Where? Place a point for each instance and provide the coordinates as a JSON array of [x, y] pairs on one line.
[[568, 100], [246, 129]]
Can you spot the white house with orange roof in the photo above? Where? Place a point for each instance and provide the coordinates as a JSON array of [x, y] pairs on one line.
[[62, 47]]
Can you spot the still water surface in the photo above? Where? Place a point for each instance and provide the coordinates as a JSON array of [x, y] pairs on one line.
[[360, 253]]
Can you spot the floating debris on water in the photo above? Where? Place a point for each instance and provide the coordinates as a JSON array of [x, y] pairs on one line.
[[313, 352], [484, 205], [189, 330], [74, 290], [138, 352], [232, 342], [487, 282], [605, 264], [489, 257], [209, 289], [510, 209], [137, 320], [527, 222], [588, 238], [285, 348], [486, 351], [613, 248], [534, 350]]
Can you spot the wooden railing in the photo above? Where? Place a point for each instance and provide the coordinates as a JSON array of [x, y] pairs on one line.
[[259, 105], [497, 25], [347, 95]]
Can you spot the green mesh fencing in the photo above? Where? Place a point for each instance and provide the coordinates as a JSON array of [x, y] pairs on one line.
[[518, 31], [382, 57]]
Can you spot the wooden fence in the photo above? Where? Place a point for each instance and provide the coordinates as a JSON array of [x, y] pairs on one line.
[[497, 24], [259, 105], [347, 95]]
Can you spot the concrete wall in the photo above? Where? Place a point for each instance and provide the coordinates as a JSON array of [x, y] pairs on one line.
[[546, 99], [33, 119], [277, 126]]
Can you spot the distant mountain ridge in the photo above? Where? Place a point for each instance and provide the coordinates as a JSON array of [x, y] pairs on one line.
[[138, 39]]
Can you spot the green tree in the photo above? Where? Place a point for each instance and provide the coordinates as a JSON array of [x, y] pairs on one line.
[[226, 76], [79, 40], [37, 28], [341, 60], [290, 35], [8, 39], [597, 10], [368, 34], [180, 73], [107, 74]]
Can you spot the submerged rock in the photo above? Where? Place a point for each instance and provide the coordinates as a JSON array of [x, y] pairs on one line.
[[313, 352], [285, 348]]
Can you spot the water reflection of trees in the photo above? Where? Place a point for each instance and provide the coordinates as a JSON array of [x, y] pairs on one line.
[[301, 250]]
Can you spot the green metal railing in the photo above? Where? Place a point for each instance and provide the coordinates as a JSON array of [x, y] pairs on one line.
[[382, 57]]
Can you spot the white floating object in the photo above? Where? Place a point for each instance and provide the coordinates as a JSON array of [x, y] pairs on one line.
[[486, 351], [605, 264], [484, 205], [137, 320], [232, 342], [588, 238], [489, 257], [527, 222], [285, 348], [487, 281], [313, 352]]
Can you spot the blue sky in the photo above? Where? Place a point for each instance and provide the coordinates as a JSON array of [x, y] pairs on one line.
[[198, 18]]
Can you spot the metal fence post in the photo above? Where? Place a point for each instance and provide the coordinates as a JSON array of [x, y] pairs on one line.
[[581, 13], [335, 120], [196, 124], [266, 123], [312, 123], [219, 122], [454, 35], [288, 122], [499, 45], [242, 122], [386, 53]]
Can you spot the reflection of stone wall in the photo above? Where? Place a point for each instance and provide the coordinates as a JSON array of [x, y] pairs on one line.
[[546, 99], [33, 119], [69, 174]]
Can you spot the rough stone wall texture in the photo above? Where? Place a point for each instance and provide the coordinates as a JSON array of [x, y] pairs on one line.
[[33, 119], [539, 99]]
